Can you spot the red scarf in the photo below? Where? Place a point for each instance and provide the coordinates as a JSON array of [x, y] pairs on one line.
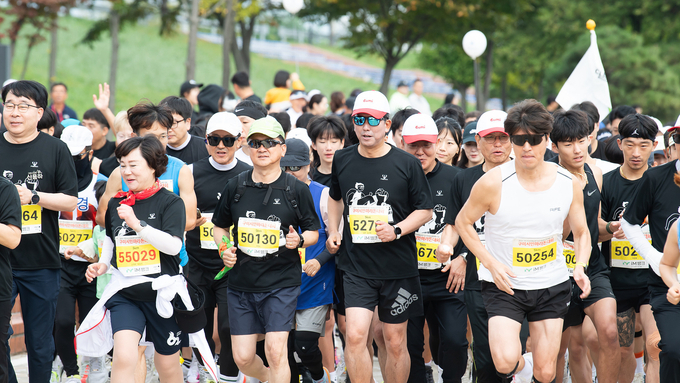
[[131, 197]]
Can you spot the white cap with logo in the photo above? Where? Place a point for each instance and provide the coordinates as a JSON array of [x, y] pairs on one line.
[[419, 127], [224, 121], [77, 138], [373, 103], [490, 122]]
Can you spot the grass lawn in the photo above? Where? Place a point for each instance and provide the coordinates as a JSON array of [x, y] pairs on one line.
[[152, 67]]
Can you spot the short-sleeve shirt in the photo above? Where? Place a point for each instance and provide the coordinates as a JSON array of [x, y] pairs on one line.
[[194, 151], [10, 214], [396, 181]]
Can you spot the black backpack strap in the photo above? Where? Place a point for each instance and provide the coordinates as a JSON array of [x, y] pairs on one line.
[[290, 195], [241, 185]]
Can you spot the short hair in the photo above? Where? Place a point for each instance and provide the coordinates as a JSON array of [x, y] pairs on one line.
[[448, 124], [337, 101], [325, 127], [612, 151], [281, 78], [151, 149], [303, 120], [356, 92], [97, 115], [315, 99], [48, 119], [120, 120], [250, 104], [284, 119], [474, 114], [528, 115], [99, 189], [620, 112], [144, 114], [178, 105], [56, 84], [29, 89], [568, 126], [591, 110], [241, 79], [400, 118], [416, 80], [638, 126], [452, 111], [449, 98]]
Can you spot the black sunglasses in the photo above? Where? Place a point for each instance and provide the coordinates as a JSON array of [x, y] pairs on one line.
[[291, 168], [268, 143], [227, 141], [676, 138], [361, 120], [532, 139]]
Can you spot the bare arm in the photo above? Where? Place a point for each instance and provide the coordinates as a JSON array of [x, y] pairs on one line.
[[102, 104], [10, 236], [579, 229], [668, 266], [187, 194], [335, 209]]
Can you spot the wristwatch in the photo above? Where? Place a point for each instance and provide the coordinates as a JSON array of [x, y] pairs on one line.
[[397, 231], [302, 242], [143, 224], [35, 198]]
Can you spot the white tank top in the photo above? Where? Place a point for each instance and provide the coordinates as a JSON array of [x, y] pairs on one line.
[[525, 234]]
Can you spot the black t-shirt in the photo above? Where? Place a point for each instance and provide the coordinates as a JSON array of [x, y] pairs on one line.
[[44, 165], [253, 274], [191, 153], [105, 151], [108, 165], [440, 180], [163, 211], [599, 152], [617, 193], [254, 98], [395, 182], [10, 214], [323, 179], [658, 200], [460, 192], [208, 185]]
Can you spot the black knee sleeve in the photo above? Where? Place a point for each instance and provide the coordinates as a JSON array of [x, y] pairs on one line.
[[509, 376], [307, 348]]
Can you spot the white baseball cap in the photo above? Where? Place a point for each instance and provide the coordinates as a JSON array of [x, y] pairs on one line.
[[490, 122], [419, 127], [224, 121], [77, 138], [371, 102], [300, 134], [677, 124]]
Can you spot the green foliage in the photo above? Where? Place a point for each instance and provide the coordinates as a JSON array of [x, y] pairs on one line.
[[450, 62]]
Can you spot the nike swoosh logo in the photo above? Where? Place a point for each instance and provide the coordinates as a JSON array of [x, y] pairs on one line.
[[591, 193], [237, 110]]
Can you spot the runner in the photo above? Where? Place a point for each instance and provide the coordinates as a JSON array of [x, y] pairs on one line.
[[470, 155], [383, 195], [265, 206], [669, 272], [181, 144], [247, 112], [210, 175], [439, 293], [522, 269], [328, 136], [448, 141], [42, 169]]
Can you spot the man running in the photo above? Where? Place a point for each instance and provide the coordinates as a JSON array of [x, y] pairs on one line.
[[522, 269]]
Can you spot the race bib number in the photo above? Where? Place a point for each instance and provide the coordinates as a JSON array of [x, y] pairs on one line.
[[533, 255], [426, 245], [31, 219], [482, 238], [303, 256], [623, 254], [257, 237], [569, 256], [71, 233], [362, 222], [206, 233], [167, 184], [135, 256]]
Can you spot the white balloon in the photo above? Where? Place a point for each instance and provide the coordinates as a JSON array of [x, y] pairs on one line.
[[293, 6], [474, 43]]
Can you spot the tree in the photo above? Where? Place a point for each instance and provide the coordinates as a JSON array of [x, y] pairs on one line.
[[193, 39], [448, 60]]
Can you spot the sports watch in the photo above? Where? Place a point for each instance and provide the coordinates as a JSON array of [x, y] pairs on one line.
[[35, 198], [397, 231]]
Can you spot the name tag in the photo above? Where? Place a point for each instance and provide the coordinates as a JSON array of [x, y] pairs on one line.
[[362, 222], [623, 254], [206, 233], [31, 219], [533, 255], [135, 256], [569, 256], [426, 245], [71, 233], [257, 237]]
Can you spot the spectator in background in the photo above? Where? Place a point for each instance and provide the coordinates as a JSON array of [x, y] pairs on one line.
[[189, 90], [208, 104], [298, 102], [318, 105], [397, 126], [59, 95], [472, 116], [227, 102], [242, 87], [355, 93], [552, 105], [399, 99], [449, 99], [123, 132], [277, 99], [48, 123], [337, 103], [94, 120], [417, 100]]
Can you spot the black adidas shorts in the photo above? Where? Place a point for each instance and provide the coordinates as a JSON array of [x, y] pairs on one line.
[[535, 305], [633, 298], [397, 299]]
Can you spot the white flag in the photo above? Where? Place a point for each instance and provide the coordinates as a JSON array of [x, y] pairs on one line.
[[587, 82]]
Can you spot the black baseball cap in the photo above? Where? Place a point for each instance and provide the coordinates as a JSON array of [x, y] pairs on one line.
[[187, 86], [297, 153]]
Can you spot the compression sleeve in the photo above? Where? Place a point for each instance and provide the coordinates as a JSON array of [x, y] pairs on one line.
[[161, 240], [107, 251], [641, 245]]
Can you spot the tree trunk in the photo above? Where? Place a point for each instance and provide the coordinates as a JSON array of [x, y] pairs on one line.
[[489, 70], [247, 37], [479, 94], [236, 52], [113, 68], [463, 100], [193, 38], [331, 36], [390, 63], [53, 51], [227, 33], [504, 91], [31, 42]]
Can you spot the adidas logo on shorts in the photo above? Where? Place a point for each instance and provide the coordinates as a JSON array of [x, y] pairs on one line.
[[403, 301]]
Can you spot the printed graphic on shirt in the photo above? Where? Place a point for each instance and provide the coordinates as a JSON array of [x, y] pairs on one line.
[[365, 210]]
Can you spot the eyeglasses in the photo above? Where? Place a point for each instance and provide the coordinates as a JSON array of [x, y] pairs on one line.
[[291, 168], [503, 138], [676, 138], [361, 120], [176, 123], [268, 143], [227, 141], [79, 156], [23, 108], [532, 139]]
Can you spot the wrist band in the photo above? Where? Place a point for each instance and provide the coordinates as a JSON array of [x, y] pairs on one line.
[[582, 264], [607, 227]]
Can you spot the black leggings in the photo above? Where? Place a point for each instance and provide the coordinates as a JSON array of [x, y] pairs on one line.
[[65, 319], [307, 348]]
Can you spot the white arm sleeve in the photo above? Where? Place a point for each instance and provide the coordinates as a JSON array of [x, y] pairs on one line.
[[641, 245], [161, 240], [107, 251]]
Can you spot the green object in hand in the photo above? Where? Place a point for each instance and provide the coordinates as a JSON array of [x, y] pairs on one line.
[[225, 269]]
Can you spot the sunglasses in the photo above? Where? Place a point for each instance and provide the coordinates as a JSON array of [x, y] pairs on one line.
[[361, 120], [532, 139], [227, 141], [291, 168], [268, 143], [676, 138]]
